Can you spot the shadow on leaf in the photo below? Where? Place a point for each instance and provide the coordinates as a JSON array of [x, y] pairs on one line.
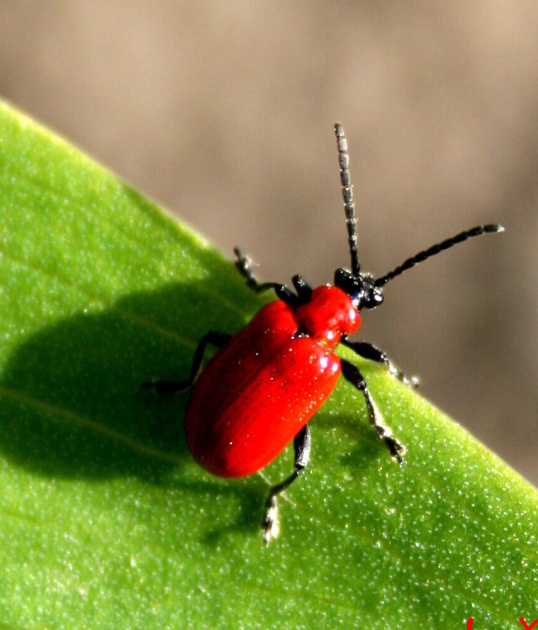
[[71, 399]]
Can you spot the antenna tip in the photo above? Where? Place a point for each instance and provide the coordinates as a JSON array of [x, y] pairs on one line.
[[493, 228]]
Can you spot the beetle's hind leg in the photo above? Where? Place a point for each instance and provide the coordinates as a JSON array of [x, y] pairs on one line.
[[213, 338], [354, 376], [368, 351], [301, 444]]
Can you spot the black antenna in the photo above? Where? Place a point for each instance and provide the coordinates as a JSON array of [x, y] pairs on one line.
[[347, 194], [436, 249]]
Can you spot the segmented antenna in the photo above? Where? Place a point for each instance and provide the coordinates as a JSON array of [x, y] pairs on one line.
[[347, 194], [436, 249]]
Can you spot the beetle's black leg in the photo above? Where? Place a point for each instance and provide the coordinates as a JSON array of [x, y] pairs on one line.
[[353, 375], [301, 444], [214, 338], [372, 353], [304, 290], [244, 265]]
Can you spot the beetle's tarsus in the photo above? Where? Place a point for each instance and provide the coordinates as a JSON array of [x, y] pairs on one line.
[[396, 449], [270, 524], [243, 264], [301, 445], [410, 381]]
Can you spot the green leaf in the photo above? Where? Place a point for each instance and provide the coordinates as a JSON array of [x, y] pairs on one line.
[[106, 521]]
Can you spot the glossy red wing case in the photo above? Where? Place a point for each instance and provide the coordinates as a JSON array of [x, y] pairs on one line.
[[256, 394]]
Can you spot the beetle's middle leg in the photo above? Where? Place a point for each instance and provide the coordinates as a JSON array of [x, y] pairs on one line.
[[214, 338], [301, 444], [354, 376]]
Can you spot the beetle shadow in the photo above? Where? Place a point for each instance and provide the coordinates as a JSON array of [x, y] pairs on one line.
[[72, 406], [248, 520]]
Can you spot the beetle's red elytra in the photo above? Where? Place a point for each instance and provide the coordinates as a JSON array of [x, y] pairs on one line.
[[264, 384]]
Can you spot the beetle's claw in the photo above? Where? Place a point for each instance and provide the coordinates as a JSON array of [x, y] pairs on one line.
[[397, 449], [270, 526]]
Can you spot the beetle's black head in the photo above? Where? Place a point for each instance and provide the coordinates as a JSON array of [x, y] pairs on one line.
[[361, 288]]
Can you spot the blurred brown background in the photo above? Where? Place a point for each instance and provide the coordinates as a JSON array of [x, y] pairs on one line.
[[224, 112]]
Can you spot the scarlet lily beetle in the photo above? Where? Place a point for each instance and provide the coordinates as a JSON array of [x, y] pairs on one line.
[[265, 383]]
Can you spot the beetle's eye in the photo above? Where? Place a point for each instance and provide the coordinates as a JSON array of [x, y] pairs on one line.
[[372, 297]]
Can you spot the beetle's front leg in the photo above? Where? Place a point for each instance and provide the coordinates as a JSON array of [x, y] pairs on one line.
[[301, 444], [244, 265], [373, 353], [354, 376]]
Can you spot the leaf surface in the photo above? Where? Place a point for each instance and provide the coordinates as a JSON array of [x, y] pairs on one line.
[[107, 522]]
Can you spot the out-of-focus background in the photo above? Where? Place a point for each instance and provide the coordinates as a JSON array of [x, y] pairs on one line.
[[224, 112]]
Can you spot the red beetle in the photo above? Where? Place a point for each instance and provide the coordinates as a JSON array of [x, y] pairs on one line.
[[265, 383]]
